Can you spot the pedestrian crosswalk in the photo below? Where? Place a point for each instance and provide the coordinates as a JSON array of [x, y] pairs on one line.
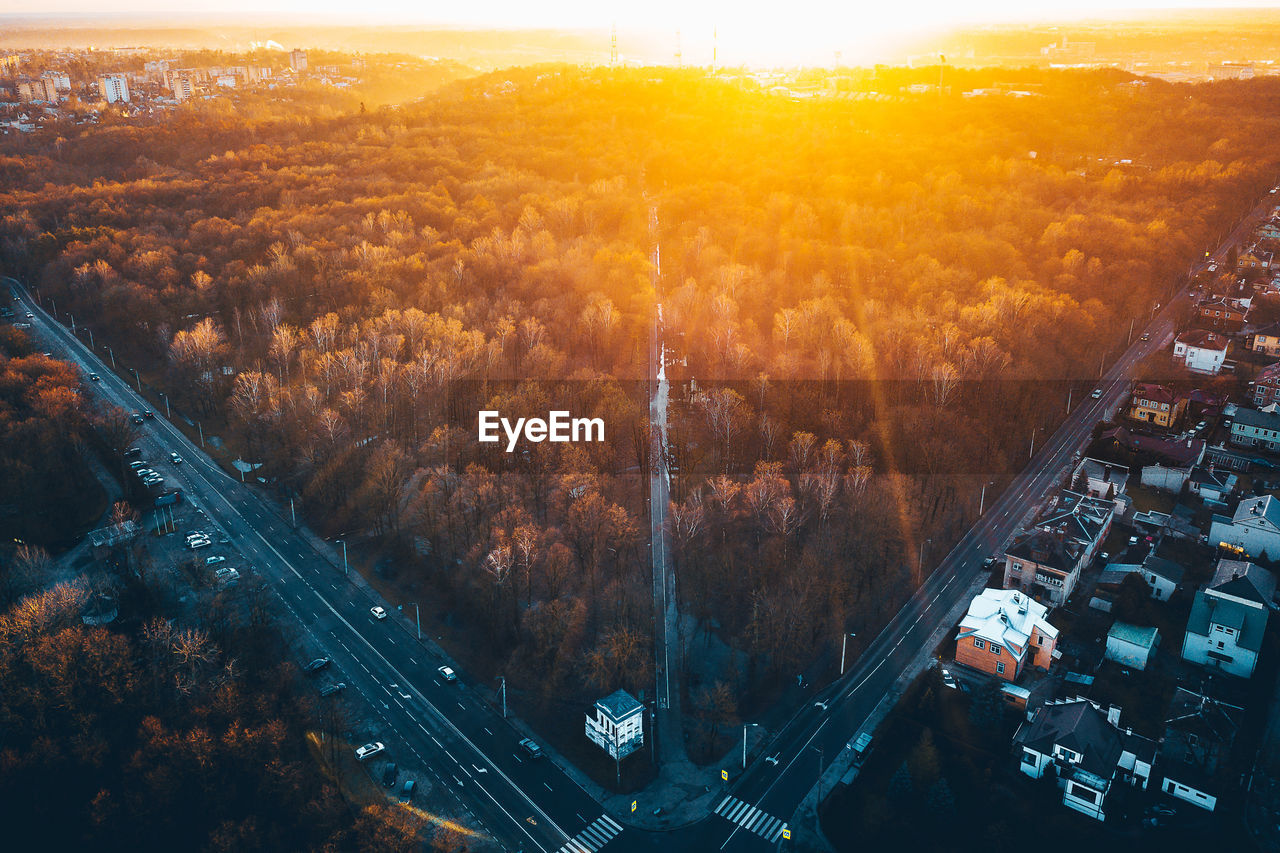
[[598, 834], [749, 817]]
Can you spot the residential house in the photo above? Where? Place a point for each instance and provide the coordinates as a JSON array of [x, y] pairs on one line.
[[1100, 479], [1266, 385], [1253, 260], [1198, 736], [1165, 478], [1266, 340], [1269, 230], [1229, 618], [1086, 750], [1046, 559], [1184, 453], [618, 726], [1131, 645], [1003, 633], [1222, 313], [1257, 428], [1252, 530], [1200, 350], [1155, 404], [1212, 484]]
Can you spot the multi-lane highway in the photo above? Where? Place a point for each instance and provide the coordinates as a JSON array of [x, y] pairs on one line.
[[522, 802], [529, 803]]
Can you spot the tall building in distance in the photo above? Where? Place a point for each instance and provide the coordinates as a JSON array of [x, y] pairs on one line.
[[30, 91], [182, 86], [114, 88], [298, 60]]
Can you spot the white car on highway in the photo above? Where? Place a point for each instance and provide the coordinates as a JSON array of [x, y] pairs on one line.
[[378, 612], [368, 749]]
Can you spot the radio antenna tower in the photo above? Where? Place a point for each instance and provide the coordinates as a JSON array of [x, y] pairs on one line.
[[715, 43], [613, 47], [679, 55]]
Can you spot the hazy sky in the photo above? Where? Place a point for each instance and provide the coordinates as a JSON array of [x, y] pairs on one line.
[[790, 27]]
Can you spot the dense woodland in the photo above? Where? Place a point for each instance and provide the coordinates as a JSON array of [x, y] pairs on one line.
[[46, 493], [878, 297]]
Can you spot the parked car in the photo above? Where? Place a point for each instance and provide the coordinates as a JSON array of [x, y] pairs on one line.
[[378, 613], [226, 576], [1097, 394], [389, 774], [531, 746], [368, 749], [137, 418], [137, 465], [447, 673], [330, 689], [1201, 425], [175, 459], [949, 680], [1163, 810], [30, 316], [407, 792], [317, 664], [197, 544], [213, 561], [133, 453]]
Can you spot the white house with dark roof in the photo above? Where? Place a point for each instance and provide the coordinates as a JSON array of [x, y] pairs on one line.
[[618, 724], [1200, 350], [1229, 618], [1198, 736], [1100, 479], [1254, 528], [1086, 750]]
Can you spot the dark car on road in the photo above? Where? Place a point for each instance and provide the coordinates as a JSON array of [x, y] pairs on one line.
[[389, 774], [316, 665], [406, 793], [330, 689]]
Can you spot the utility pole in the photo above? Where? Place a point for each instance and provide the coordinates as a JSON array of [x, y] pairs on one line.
[[844, 641], [744, 742], [294, 516], [417, 620], [344, 557], [201, 429], [613, 47], [90, 331], [920, 555], [137, 379], [166, 405], [504, 695], [112, 353], [982, 499]]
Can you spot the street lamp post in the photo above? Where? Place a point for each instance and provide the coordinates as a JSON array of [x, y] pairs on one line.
[[744, 742], [504, 696], [200, 427], [1032, 452], [920, 554], [166, 405], [90, 331], [344, 557], [137, 378], [982, 499], [844, 641], [417, 621], [73, 322]]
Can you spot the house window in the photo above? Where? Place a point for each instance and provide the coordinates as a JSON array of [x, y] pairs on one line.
[[1040, 640], [1000, 667], [1221, 644], [979, 644], [1030, 758], [995, 649], [1087, 794]]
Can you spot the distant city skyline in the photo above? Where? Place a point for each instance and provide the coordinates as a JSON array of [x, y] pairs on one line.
[[802, 31]]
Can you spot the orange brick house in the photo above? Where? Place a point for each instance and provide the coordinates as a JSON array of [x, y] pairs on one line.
[[1004, 632]]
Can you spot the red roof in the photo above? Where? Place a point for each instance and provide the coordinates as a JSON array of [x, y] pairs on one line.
[[1201, 339], [1152, 392]]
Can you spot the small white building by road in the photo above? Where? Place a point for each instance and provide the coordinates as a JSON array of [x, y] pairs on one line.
[[1131, 645], [1200, 350], [618, 724]]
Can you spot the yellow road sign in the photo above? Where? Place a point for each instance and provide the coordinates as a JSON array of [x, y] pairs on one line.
[[786, 833], [633, 805], [724, 774]]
